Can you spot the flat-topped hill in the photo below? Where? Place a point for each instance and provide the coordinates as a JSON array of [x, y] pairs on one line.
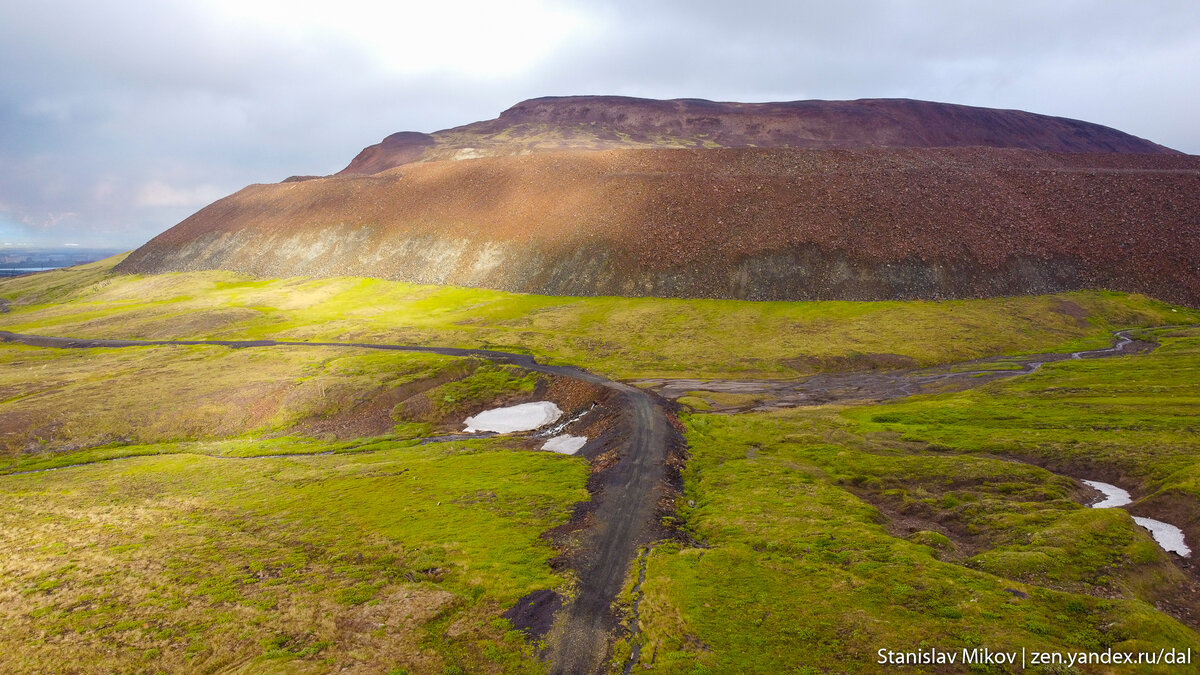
[[611, 122], [779, 223]]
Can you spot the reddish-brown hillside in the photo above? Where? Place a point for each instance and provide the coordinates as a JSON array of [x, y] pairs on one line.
[[740, 223], [610, 122]]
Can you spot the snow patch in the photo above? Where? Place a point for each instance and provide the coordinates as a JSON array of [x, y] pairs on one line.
[[523, 417], [1167, 535], [566, 445]]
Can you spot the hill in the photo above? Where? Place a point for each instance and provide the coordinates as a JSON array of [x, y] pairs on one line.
[[611, 122], [784, 224]]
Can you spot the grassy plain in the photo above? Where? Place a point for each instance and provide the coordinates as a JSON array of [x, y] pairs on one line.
[[56, 401], [395, 560], [265, 510], [257, 523], [620, 337]]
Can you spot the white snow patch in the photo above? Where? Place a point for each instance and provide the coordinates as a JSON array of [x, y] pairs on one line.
[[566, 445], [523, 417], [1113, 495], [1167, 535]]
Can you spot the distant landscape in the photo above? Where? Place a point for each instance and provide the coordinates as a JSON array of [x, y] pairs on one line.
[[816, 387], [16, 260]]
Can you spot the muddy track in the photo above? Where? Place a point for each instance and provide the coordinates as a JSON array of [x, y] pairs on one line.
[[884, 385], [624, 514]]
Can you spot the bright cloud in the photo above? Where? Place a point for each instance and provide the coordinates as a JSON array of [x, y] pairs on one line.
[[474, 38], [157, 193]]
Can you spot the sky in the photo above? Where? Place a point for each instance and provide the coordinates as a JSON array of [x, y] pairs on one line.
[[120, 118]]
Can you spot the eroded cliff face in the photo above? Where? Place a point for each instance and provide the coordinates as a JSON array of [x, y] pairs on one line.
[[778, 224]]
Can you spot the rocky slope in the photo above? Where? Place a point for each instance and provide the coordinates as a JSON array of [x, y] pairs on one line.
[[780, 223], [610, 122]]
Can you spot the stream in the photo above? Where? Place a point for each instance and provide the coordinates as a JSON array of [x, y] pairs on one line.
[[878, 385]]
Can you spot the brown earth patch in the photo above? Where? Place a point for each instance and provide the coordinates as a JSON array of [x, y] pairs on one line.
[[375, 413], [1181, 509], [853, 361], [392, 626], [904, 519], [534, 613], [1071, 309]]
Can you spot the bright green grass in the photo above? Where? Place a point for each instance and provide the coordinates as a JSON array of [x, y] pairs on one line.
[[238, 448], [622, 337], [398, 558]]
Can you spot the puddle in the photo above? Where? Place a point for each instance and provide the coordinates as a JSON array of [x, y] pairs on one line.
[[523, 417], [566, 445], [1167, 535]]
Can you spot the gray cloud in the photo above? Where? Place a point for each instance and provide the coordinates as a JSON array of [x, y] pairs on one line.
[[118, 119]]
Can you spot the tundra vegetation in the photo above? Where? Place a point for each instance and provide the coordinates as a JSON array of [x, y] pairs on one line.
[[822, 535], [271, 509]]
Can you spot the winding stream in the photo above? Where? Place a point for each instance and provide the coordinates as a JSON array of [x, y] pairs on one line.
[[881, 385]]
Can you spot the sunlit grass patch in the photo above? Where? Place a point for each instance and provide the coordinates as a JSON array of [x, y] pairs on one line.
[[1133, 416], [377, 559], [624, 337]]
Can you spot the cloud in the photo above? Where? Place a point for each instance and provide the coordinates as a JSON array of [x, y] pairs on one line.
[[157, 193], [132, 113]]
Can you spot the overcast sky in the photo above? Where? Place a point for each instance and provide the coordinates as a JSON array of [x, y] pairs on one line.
[[120, 118]]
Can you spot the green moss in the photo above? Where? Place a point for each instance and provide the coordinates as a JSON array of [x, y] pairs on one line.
[[694, 402], [1132, 416], [488, 382]]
